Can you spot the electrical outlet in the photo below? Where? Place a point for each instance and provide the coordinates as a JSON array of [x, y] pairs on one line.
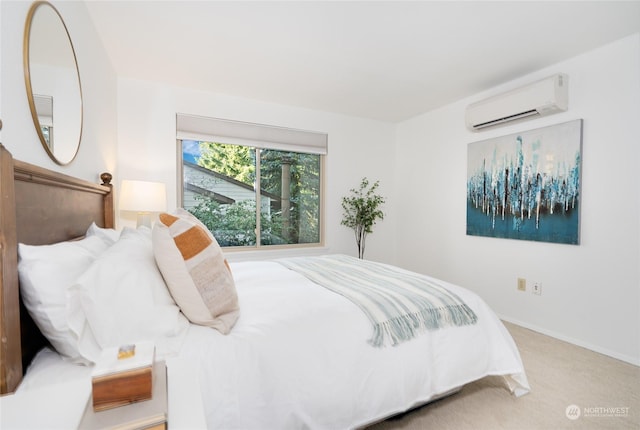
[[537, 288], [522, 284]]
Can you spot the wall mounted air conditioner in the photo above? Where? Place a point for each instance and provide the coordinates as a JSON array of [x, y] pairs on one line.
[[544, 97]]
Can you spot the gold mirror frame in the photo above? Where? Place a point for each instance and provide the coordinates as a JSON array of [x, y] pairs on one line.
[[60, 78]]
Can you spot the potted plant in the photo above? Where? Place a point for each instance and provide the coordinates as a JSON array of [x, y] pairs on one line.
[[361, 210]]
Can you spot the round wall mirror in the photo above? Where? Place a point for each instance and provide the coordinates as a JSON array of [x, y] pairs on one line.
[[53, 82]]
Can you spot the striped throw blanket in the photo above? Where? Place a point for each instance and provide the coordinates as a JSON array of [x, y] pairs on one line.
[[399, 304]]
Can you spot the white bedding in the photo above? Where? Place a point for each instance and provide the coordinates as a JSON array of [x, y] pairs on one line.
[[298, 357]]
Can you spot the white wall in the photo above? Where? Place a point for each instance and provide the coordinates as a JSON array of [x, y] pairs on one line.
[[357, 147], [1, 87], [591, 292], [97, 77]]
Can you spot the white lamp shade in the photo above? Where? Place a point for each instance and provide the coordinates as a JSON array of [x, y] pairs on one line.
[[143, 196]]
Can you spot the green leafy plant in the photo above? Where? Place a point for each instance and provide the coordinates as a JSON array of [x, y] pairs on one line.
[[361, 210]]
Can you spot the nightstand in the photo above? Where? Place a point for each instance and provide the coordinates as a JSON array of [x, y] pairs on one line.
[[185, 399], [148, 413], [61, 406], [58, 406]]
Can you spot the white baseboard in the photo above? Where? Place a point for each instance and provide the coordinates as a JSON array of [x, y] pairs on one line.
[[623, 357]]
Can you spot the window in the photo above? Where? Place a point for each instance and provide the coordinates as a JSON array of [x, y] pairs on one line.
[[255, 192]]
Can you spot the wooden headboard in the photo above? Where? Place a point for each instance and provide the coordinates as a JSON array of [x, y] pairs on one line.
[[37, 207]]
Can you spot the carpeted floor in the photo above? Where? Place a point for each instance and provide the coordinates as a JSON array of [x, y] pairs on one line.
[[596, 391]]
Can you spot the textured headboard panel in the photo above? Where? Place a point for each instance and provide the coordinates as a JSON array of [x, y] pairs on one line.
[[37, 207]]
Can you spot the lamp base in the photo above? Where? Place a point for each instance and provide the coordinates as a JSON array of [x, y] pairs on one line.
[[144, 219]]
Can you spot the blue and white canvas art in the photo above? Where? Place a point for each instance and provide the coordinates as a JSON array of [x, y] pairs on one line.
[[527, 185]]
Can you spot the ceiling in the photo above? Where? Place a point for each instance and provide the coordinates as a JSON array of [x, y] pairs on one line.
[[387, 61]]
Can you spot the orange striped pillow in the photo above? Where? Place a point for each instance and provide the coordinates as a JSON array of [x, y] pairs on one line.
[[195, 270]]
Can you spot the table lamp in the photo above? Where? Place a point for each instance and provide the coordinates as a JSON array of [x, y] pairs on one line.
[[143, 197]]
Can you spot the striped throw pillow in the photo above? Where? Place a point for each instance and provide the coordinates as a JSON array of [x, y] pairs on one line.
[[195, 270]]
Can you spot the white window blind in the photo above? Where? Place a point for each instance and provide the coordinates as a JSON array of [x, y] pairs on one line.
[[192, 127], [44, 108]]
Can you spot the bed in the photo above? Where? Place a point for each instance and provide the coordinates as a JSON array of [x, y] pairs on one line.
[[297, 355]]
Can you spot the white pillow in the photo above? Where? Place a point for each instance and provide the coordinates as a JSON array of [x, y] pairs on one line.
[[195, 270], [122, 298], [109, 235], [45, 272]]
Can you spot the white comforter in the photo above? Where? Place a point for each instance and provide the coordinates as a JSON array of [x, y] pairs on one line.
[[298, 357]]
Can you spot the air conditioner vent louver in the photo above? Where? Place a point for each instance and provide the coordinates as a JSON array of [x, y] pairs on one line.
[[544, 97]]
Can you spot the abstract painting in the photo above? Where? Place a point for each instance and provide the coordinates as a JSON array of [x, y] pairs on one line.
[[527, 185]]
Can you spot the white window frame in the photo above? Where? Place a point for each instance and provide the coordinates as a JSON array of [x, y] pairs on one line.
[[258, 136]]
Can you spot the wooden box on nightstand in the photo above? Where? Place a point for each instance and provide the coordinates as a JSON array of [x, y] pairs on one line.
[[148, 414], [123, 375]]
